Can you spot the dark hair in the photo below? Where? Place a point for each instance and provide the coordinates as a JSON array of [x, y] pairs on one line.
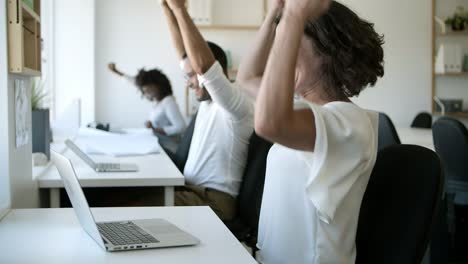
[[350, 49], [219, 55], [154, 77]]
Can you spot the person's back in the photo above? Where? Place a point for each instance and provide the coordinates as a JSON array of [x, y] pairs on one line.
[[324, 189], [319, 167]]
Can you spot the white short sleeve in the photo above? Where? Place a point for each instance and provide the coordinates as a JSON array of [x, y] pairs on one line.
[[345, 149]]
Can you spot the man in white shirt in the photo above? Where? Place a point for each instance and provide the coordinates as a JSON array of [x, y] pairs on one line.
[[224, 124]]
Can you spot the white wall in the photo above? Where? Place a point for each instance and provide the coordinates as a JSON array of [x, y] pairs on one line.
[[5, 199], [74, 56], [406, 87]]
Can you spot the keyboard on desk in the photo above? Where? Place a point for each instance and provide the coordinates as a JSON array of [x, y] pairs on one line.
[[109, 166], [125, 233]]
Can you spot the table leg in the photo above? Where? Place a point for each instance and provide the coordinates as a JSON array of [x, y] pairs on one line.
[[169, 196], [54, 198]]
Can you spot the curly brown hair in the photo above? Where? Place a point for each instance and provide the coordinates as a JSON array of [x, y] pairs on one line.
[[156, 79], [350, 49]]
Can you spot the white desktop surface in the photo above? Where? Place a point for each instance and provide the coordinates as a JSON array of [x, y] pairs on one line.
[[416, 136], [154, 170], [55, 236]]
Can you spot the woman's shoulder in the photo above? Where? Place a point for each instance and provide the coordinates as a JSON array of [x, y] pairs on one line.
[[349, 110], [347, 120], [168, 100]]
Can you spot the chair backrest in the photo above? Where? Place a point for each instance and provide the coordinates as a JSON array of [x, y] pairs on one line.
[[388, 135], [251, 190], [180, 157], [451, 143], [400, 206], [422, 120]]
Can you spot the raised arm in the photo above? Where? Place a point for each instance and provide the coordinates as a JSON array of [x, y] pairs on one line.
[[203, 62], [195, 45], [253, 65], [113, 68], [275, 117], [174, 29]]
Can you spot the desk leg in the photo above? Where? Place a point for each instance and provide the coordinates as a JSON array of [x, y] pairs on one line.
[[54, 198], [169, 196]]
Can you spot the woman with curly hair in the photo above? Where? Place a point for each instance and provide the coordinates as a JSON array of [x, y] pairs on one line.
[[325, 145], [165, 118]]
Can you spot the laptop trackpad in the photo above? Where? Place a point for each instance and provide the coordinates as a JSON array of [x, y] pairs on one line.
[[166, 232], [158, 226]]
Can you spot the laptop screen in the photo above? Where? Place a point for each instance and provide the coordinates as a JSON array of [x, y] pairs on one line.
[[80, 153], [76, 195]]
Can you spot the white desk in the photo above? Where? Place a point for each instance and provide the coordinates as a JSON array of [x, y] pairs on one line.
[[154, 170], [55, 236], [416, 136]]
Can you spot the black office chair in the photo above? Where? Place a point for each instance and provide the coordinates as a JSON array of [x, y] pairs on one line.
[[388, 135], [422, 120], [180, 156], [400, 206], [451, 143], [245, 225]]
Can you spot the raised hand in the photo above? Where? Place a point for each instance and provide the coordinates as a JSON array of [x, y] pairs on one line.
[[112, 67], [307, 9]]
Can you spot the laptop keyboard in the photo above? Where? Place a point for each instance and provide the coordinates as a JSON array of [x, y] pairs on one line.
[[125, 233], [109, 166]]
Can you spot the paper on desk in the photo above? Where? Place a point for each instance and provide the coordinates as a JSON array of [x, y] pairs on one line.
[[119, 144]]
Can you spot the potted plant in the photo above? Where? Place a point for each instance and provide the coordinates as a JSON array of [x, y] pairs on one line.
[[41, 135], [459, 21]]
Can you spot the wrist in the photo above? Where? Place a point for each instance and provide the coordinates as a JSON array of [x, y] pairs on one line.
[[273, 15], [178, 10], [294, 16]]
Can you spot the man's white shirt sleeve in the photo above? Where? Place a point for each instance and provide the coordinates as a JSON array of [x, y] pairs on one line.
[[226, 94]]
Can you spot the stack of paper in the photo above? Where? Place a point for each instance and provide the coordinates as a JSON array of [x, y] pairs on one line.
[[130, 144]]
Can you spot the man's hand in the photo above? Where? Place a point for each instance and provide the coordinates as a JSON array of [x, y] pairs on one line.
[[176, 4], [307, 9], [159, 130]]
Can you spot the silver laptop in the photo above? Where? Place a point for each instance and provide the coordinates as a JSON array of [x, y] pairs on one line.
[[100, 167], [121, 235]]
